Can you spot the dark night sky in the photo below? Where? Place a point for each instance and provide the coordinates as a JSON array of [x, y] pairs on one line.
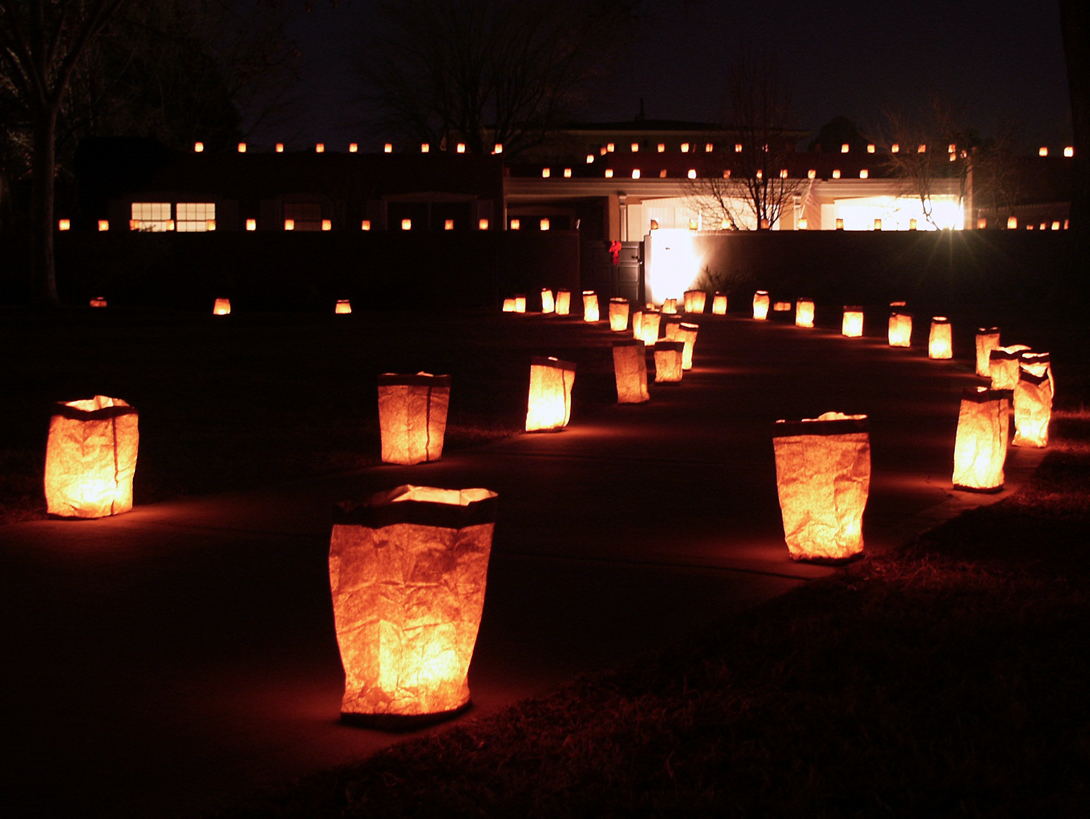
[[995, 61]]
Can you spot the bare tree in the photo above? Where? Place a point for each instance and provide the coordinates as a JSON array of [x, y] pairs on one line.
[[485, 71], [753, 190], [41, 45]]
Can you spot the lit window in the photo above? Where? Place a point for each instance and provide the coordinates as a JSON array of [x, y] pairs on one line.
[[193, 217], [305, 215], [515, 224], [151, 216]]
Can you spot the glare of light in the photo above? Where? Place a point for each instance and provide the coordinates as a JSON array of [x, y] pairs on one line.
[[280, 147], [1042, 151], [327, 224], [460, 148], [544, 224], [609, 173], [198, 147], [251, 224], [545, 172], [482, 224], [672, 264], [319, 148], [692, 173], [388, 148], [242, 147], [406, 224], [636, 173], [64, 224], [567, 173], [353, 147], [662, 147], [448, 224], [516, 224], [844, 148], [289, 224], [365, 224]]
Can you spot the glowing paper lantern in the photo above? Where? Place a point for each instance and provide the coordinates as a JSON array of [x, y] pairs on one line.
[[548, 303], [980, 447], [549, 404], [618, 315], [669, 306], [804, 313], [90, 458], [412, 415], [695, 300], [1033, 400], [509, 305], [222, 307], [851, 325], [939, 344], [64, 224], [719, 304], [900, 329], [823, 479], [520, 303], [590, 306], [760, 305], [630, 371], [407, 571], [343, 308], [1003, 366], [987, 339], [563, 302], [669, 359], [98, 301], [647, 330], [687, 333]]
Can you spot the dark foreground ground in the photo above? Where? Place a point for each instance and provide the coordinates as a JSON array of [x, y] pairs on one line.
[[944, 679]]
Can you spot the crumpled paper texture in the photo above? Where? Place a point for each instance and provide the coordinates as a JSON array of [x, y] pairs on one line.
[[91, 458], [618, 315], [412, 412], [980, 446], [940, 340], [987, 339], [669, 356], [1003, 366], [548, 405], [407, 602], [900, 330], [1032, 408], [590, 306], [630, 371], [823, 482]]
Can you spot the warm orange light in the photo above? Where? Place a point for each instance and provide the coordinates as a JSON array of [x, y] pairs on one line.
[[645, 326], [319, 148], [509, 305], [1033, 400], [687, 333], [804, 313], [242, 147], [863, 174], [406, 224], [567, 173], [760, 174], [482, 224], [980, 446], [895, 148], [635, 173], [424, 147], [460, 148], [198, 147], [327, 224], [738, 147], [911, 224], [222, 307], [803, 223], [870, 148], [987, 339], [563, 302], [289, 224], [590, 159], [448, 224], [1042, 151], [353, 147], [877, 224], [851, 325], [549, 403], [900, 329], [548, 303], [836, 174], [844, 148], [406, 637], [719, 304], [545, 172], [210, 225], [365, 224], [280, 147], [343, 307], [98, 301], [1056, 225], [685, 147], [661, 147], [783, 173], [90, 458], [630, 371], [609, 173], [520, 303], [543, 224], [781, 307], [669, 359], [691, 173], [811, 174], [590, 306], [103, 225], [1003, 366], [634, 147], [695, 301], [516, 224], [669, 306], [823, 480], [939, 344], [1069, 151], [618, 315], [761, 303], [921, 149], [497, 148], [1012, 223], [64, 224], [412, 412], [840, 224], [708, 147], [388, 148], [981, 223]]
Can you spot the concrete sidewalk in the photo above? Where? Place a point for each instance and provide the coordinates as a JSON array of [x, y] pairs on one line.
[[177, 658]]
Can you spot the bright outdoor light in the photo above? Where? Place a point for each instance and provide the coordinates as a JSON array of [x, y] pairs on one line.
[[761, 304], [939, 342], [851, 325], [618, 315], [980, 447], [563, 302], [669, 358], [590, 306], [548, 303], [343, 307], [1033, 400], [900, 326], [695, 301], [719, 304], [804, 313], [222, 307]]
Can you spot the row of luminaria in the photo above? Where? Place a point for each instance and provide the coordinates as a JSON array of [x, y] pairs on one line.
[[408, 567]]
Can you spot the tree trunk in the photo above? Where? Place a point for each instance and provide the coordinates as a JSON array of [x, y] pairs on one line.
[[43, 169]]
